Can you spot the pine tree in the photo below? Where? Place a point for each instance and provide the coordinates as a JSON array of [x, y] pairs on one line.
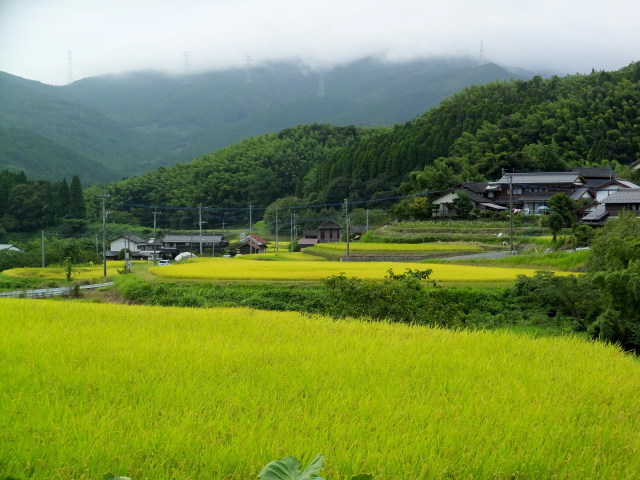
[[76, 199], [62, 200]]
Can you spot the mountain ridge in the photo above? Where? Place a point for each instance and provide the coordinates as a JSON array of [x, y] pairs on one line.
[[134, 122]]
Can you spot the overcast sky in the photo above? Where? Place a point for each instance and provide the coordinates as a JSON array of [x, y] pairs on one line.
[[110, 36]]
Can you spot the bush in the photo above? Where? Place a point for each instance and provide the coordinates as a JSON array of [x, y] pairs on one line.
[[399, 298]]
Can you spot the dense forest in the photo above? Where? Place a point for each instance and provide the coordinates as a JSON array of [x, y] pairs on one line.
[[29, 205], [552, 124]]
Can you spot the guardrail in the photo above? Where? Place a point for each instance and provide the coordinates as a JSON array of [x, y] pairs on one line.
[[50, 292]]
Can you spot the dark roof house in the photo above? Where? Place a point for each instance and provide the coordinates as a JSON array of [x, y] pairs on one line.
[[175, 243], [532, 191], [610, 207], [329, 232]]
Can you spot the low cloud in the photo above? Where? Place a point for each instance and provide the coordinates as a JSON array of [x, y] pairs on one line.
[[119, 35]]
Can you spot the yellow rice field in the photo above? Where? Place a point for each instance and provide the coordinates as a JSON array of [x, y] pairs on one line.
[[94, 272], [236, 269], [184, 394]]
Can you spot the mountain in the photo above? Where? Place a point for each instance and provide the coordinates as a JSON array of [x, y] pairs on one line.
[[38, 157], [134, 122], [41, 109], [549, 125]]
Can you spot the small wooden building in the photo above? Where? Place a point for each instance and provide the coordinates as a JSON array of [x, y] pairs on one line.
[[252, 244], [329, 232]]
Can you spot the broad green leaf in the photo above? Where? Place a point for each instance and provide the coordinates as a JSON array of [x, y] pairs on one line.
[[315, 467], [290, 468]]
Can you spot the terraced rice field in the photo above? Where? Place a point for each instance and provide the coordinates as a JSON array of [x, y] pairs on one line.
[[159, 393], [357, 247], [238, 269]]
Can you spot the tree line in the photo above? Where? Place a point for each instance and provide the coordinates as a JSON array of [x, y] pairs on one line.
[[29, 205]]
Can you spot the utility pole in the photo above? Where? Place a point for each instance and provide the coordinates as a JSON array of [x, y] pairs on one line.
[[155, 217], [511, 213], [222, 236], [346, 212], [104, 197], [43, 265], [293, 229], [277, 228], [200, 225], [367, 220], [127, 254], [250, 228]]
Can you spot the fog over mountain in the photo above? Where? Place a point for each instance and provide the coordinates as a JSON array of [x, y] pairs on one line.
[[130, 123], [55, 42]]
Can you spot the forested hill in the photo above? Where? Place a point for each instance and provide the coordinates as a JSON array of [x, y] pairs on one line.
[[522, 125], [132, 123], [257, 170]]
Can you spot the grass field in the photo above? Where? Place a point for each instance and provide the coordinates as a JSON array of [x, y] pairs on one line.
[[419, 251], [159, 393], [357, 247], [546, 261], [238, 269]]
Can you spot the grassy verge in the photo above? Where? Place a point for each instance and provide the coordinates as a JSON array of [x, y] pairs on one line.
[[558, 261], [335, 251]]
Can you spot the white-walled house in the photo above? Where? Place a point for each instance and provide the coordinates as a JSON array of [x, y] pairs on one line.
[[613, 186], [130, 242], [10, 247]]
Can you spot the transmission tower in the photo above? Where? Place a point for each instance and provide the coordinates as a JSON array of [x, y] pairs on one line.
[[321, 86], [481, 53], [186, 79], [248, 66], [69, 67]]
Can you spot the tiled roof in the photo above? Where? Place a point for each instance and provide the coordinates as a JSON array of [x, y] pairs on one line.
[[255, 240], [598, 214], [475, 187], [493, 206], [578, 193], [616, 183], [331, 225], [307, 241], [589, 173], [188, 237], [623, 196], [534, 197], [540, 178], [629, 184]]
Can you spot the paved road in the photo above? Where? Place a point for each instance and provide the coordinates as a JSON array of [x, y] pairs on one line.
[[49, 292]]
